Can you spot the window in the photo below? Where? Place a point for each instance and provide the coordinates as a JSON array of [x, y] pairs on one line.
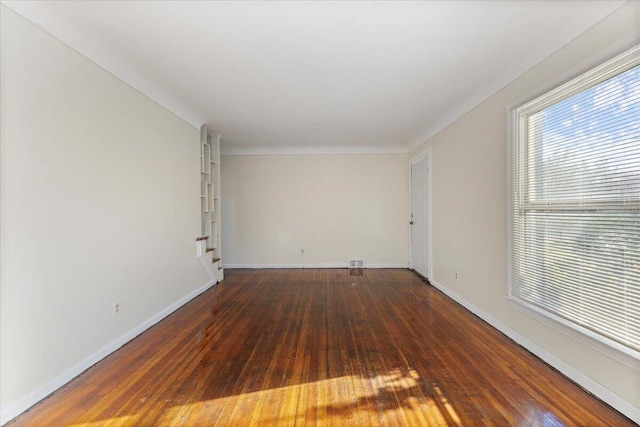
[[575, 203]]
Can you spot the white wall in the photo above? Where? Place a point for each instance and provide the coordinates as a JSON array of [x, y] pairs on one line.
[[99, 203], [470, 222], [332, 206]]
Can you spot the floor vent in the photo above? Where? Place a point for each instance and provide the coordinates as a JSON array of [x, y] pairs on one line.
[[356, 266]]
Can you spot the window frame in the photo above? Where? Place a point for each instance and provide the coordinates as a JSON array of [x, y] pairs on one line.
[[517, 115]]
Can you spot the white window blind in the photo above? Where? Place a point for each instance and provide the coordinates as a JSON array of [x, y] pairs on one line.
[[575, 203]]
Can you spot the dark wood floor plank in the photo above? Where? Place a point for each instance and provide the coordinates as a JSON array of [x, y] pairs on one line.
[[320, 348]]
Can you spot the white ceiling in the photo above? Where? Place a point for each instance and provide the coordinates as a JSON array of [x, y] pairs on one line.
[[295, 77]]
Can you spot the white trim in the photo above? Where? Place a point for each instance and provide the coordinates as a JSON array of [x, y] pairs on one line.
[[318, 265], [240, 150], [583, 67], [12, 410], [593, 61], [588, 383], [156, 94], [211, 268], [557, 321], [507, 77], [517, 143], [583, 81], [613, 350], [422, 154]]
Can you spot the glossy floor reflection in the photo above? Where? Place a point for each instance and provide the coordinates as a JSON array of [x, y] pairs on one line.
[[321, 347]]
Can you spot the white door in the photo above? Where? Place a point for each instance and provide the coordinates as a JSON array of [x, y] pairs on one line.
[[419, 217]]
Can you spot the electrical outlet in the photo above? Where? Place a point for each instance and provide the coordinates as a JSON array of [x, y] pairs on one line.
[[116, 309], [302, 251], [457, 276]]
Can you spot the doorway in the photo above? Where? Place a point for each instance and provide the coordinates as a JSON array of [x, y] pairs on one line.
[[419, 222]]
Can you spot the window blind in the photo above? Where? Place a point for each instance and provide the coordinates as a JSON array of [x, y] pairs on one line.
[[575, 203]]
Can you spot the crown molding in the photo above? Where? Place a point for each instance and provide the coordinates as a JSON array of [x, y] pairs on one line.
[[230, 150]]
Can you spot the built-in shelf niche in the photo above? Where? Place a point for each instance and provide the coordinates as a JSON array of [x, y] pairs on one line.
[[210, 193]]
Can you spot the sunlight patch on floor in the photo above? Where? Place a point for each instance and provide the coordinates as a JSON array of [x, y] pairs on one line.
[[125, 420], [447, 405], [379, 400]]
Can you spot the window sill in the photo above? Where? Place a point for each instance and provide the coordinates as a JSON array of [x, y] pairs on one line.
[[603, 345]]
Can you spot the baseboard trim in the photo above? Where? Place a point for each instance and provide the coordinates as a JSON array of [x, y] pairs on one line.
[[601, 392], [325, 265], [12, 410]]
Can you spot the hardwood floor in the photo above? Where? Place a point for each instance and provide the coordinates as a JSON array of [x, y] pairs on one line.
[[321, 347]]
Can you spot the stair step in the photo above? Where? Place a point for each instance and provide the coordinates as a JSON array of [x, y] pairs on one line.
[[201, 238], [210, 249], [215, 260]]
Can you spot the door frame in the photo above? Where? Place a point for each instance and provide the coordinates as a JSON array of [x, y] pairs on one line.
[[423, 154]]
